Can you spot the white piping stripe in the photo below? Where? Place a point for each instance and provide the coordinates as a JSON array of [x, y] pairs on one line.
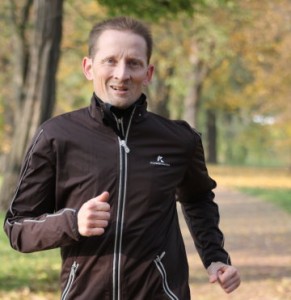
[[163, 273], [42, 221], [25, 168]]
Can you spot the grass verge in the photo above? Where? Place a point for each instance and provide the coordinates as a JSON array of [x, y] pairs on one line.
[[280, 197]]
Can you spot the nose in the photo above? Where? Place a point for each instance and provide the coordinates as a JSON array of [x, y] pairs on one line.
[[121, 71]]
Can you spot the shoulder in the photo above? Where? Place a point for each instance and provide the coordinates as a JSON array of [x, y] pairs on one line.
[[180, 127], [186, 126], [66, 121], [62, 127], [71, 115]]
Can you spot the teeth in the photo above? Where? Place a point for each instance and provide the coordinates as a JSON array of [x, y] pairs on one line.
[[119, 88]]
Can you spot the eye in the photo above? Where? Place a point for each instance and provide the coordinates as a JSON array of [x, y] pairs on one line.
[[134, 63], [109, 61]]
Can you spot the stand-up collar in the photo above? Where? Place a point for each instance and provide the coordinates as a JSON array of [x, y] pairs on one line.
[[105, 110], [109, 113]]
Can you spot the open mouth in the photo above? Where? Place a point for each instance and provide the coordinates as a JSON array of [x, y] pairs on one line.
[[119, 88]]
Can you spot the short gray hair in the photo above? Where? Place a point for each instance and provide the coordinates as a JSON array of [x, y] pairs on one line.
[[122, 24]]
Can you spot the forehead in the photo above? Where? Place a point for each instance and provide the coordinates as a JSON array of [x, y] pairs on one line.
[[113, 42]]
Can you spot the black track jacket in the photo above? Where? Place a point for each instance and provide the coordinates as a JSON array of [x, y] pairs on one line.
[[146, 169]]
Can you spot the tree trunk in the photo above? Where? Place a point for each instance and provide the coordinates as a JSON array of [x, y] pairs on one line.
[[228, 139], [159, 92], [197, 77], [38, 90], [211, 137]]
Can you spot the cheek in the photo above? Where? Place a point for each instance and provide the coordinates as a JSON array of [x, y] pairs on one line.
[[101, 76], [141, 78], [102, 71]]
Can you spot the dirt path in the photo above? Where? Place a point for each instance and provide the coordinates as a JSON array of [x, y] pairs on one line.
[[258, 237]]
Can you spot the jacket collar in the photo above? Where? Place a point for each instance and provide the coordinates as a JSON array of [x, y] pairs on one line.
[[99, 109]]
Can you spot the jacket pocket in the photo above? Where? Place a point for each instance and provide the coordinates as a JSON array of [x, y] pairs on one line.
[[70, 281], [161, 268]]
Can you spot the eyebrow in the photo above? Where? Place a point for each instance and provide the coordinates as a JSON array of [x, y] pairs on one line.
[[135, 59], [107, 57], [129, 58]]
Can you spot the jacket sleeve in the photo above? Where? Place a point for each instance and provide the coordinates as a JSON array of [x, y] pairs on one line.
[[32, 222], [200, 211]]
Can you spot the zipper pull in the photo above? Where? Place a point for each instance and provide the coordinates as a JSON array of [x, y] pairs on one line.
[[123, 144]]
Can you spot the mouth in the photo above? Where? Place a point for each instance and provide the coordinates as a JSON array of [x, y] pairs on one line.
[[119, 88]]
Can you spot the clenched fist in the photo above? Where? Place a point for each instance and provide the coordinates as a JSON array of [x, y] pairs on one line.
[[227, 276], [94, 215]]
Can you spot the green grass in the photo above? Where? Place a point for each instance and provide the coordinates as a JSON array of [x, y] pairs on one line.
[[279, 196], [35, 272]]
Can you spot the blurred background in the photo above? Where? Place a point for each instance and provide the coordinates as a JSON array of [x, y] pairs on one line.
[[223, 66]]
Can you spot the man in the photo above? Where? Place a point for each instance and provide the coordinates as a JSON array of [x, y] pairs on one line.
[[102, 184]]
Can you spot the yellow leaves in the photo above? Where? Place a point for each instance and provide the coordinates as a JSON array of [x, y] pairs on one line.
[[79, 17]]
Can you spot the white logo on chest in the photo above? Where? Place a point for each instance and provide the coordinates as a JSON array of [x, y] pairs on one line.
[[160, 162]]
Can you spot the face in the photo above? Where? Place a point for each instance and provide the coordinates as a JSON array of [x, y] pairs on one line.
[[119, 69]]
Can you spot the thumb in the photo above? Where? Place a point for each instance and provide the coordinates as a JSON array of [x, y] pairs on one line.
[[104, 197], [214, 271], [212, 278]]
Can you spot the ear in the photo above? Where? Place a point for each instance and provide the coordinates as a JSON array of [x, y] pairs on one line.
[[87, 67], [149, 75]]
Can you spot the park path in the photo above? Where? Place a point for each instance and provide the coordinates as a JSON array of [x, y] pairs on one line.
[[258, 238]]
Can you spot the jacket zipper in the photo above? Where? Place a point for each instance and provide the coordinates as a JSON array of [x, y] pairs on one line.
[[160, 266], [70, 280], [123, 151]]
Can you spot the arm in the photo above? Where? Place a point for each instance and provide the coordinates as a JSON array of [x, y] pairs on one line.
[[200, 211], [32, 222], [202, 217]]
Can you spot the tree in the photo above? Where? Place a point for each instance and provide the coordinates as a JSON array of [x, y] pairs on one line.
[[257, 90], [36, 56], [151, 9]]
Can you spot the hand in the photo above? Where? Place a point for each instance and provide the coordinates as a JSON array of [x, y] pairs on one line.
[[94, 215], [227, 276]]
